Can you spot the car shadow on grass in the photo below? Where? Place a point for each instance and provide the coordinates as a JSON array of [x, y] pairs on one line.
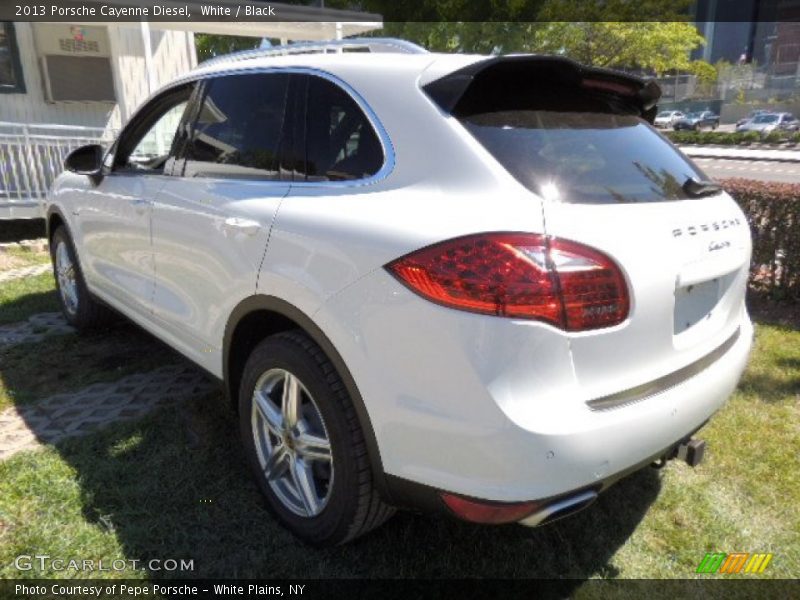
[[69, 362], [175, 485]]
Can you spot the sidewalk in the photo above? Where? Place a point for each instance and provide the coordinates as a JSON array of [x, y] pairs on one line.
[[741, 153]]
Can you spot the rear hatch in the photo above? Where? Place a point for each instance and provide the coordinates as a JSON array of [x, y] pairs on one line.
[[581, 140]]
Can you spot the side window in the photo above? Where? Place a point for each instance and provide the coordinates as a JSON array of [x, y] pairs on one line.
[[238, 128], [157, 142], [340, 142], [147, 142]]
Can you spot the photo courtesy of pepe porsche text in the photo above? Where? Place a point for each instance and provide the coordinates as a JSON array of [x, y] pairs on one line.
[[155, 590]]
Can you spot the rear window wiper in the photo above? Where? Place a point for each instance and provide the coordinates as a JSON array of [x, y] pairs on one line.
[[696, 188]]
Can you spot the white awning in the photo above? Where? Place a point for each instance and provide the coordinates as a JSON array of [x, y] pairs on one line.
[[283, 30]]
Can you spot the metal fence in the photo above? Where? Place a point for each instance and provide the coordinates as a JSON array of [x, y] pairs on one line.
[[31, 156]]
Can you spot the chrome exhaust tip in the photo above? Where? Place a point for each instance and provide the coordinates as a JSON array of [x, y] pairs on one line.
[[560, 508]]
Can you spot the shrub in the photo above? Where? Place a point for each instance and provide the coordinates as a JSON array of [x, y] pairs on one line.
[[749, 137], [774, 137], [773, 211], [743, 138]]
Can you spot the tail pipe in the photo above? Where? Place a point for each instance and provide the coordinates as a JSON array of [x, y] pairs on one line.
[[560, 508]]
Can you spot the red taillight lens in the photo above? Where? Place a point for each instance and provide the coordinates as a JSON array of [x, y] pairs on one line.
[[519, 275], [592, 286], [488, 512]]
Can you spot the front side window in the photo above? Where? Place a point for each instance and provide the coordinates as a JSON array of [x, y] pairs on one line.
[[148, 141], [10, 69], [157, 142], [341, 144], [239, 126]]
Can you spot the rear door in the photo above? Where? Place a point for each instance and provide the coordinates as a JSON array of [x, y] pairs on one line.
[[211, 224], [610, 181]]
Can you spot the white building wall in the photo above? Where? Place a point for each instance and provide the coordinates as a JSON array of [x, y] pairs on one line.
[[31, 106], [173, 54]]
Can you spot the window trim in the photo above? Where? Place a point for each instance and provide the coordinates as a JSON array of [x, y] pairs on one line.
[[16, 63], [383, 137]]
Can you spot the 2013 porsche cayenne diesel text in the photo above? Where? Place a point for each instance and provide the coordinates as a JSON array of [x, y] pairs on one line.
[[480, 285]]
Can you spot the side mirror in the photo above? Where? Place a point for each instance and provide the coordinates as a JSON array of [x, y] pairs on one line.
[[86, 160]]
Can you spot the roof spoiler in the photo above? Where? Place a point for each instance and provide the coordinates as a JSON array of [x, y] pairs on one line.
[[642, 94]]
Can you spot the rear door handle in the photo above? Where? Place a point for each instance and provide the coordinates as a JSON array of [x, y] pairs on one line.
[[238, 225]]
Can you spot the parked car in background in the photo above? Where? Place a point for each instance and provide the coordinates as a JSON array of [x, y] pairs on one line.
[[752, 115], [499, 335], [767, 123], [667, 118], [697, 121]]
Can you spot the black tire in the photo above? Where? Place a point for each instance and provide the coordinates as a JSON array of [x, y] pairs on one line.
[[86, 312], [353, 505]]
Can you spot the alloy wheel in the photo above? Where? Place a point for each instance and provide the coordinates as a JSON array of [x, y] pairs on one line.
[[67, 280], [292, 444]]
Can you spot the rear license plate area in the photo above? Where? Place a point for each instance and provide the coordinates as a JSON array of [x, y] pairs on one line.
[[695, 304]]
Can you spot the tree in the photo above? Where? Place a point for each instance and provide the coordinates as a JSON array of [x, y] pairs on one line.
[[657, 47], [651, 35]]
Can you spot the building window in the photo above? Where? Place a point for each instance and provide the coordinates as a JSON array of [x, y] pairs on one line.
[[11, 80]]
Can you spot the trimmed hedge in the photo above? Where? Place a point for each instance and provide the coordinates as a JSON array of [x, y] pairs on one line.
[[773, 211], [743, 138]]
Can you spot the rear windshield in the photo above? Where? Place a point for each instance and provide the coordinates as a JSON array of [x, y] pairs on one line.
[[584, 157]]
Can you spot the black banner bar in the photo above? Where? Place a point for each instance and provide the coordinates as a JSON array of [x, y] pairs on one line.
[[407, 11], [405, 589]]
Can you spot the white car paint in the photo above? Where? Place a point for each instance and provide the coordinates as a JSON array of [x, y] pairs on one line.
[[488, 407]]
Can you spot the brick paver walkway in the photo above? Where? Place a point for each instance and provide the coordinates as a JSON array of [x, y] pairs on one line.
[[94, 407], [35, 329]]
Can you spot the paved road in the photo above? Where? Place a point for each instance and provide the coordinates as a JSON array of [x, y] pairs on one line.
[[763, 170]]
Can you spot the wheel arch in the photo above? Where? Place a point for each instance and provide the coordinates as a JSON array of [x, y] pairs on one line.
[[55, 218], [259, 316]]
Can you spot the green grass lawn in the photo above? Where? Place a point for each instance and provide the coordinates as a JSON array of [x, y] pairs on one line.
[[20, 298], [174, 485]]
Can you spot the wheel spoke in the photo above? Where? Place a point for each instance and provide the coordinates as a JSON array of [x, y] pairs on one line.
[[313, 447], [272, 417], [303, 480], [277, 463], [290, 402]]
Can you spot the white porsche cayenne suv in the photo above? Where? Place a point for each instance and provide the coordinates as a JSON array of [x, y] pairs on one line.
[[479, 285]]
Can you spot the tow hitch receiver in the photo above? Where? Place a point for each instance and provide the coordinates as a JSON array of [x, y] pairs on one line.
[[691, 452]]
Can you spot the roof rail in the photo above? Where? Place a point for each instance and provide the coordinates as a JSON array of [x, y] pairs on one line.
[[390, 45]]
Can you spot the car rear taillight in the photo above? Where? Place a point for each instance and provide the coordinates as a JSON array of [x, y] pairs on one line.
[[522, 276]]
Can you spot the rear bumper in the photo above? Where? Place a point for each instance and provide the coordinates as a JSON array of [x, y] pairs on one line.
[[477, 406]]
